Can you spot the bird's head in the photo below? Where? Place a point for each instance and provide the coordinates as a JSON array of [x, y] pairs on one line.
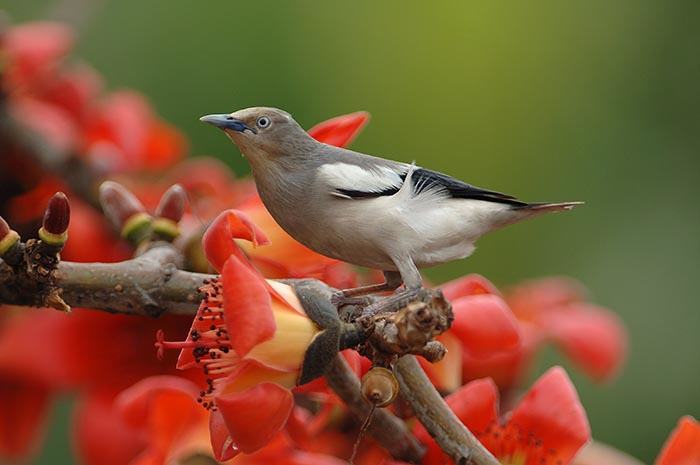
[[263, 134]]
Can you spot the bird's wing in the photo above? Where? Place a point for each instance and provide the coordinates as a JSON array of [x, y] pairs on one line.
[[352, 181], [425, 180]]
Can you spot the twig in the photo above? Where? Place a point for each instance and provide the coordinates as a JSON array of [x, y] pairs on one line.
[[149, 284], [443, 425], [388, 430]]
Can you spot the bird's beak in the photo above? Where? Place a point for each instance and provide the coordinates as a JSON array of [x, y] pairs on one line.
[[227, 122]]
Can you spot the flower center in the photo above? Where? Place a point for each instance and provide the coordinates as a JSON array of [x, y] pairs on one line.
[[208, 344]]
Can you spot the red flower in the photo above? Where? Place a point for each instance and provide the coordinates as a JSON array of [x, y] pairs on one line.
[[484, 325], [683, 445], [101, 435], [548, 426], [74, 356], [125, 135], [28, 382], [164, 410], [23, 408], [33, 51], [551, 309], [174, 427], [592, 336], [250, 338]]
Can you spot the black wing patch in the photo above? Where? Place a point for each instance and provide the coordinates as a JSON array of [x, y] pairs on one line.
[[426, 179]]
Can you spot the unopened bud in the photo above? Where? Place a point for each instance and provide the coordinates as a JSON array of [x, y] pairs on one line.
[[54, 229], [8, 237], [169, 212], [379, 387], [172, 203], [124, 211]]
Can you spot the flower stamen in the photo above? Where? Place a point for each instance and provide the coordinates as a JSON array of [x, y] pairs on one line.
[[208, 341]]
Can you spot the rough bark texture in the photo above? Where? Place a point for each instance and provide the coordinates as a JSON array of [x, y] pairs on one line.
[[451, 435], [149, 284]]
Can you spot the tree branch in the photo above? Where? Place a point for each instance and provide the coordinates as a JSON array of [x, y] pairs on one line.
[[443, 425], [149, 285], [388, 430]]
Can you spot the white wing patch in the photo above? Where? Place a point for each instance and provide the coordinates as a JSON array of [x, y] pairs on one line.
[[347, 177]]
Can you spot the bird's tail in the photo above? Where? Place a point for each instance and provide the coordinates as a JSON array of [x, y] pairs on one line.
[[544, 207], [524, 211]]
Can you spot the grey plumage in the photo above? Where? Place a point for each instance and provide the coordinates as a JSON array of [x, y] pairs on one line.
[[363, 209]]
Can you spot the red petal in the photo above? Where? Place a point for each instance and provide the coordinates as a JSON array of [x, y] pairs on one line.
[[23, 410], [485, 324], [218, 241], [101, 436], [683, 445], [552, 413], [221, 442], [164, 407], [50, 122], [135, 402], [341, 130], [74, 91], [135, 137], [593, 337], [505, 368], [472, 284], [33, 48], [164, 145], [253, 417], [247, 306], [475, 404], [531, 299]]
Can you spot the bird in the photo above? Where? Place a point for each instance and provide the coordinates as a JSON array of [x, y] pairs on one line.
[[366, 210]]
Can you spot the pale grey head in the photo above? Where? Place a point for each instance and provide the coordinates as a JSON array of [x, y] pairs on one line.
[[263, 134]]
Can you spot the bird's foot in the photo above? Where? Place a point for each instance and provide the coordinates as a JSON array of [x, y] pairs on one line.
[[339, 299], [392, 304]]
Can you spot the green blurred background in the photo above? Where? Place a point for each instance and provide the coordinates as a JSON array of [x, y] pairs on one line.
[[582, 100]]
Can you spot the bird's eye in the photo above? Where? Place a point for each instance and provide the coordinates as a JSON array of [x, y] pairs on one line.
[[263, 122]]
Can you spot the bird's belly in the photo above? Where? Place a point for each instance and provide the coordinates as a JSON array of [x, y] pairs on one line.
[[373, 231], [428, 257], [334, 235]]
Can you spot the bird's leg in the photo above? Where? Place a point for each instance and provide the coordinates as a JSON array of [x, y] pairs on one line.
[[409, 273], [413, 283], [355, 295]]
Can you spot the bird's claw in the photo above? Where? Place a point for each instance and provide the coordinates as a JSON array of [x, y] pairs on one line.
[[339, 299]]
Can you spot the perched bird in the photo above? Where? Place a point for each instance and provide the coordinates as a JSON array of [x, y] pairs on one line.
[[365, 210]]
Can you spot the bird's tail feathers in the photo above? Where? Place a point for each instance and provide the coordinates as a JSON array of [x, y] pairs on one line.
[[543, 207]]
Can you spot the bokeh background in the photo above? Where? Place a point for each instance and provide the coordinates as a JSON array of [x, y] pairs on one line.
[[583, 100]]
